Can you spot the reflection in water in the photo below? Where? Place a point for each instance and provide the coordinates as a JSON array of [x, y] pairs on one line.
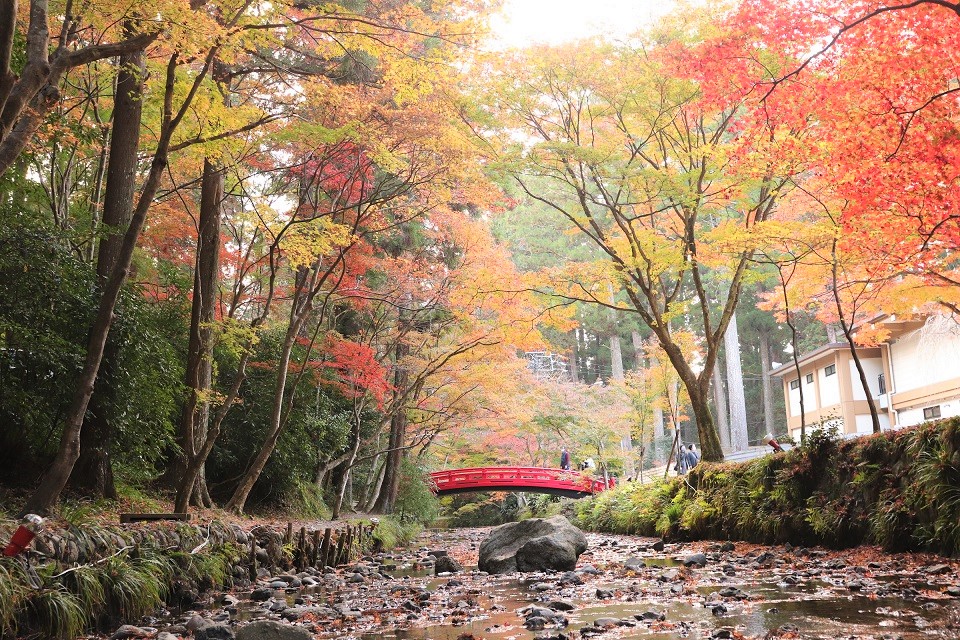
[[811, 607]]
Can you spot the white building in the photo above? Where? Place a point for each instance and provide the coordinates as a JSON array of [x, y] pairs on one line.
[[914, 375]]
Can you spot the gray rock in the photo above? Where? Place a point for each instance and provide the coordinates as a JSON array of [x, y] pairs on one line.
[[446, 564], [196, 622], [651, 616], [633, 563], [535, 623], [727, 546], [560, 605], [129, 631], [269, 630], [164, 635], [698, 559], [532, 545], [604, 594], [953, 591], [262, 594], [214, 632], [657, 546], [938, 569], [607, 623]]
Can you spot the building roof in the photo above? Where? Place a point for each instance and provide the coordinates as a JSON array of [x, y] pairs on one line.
[[807, 357]]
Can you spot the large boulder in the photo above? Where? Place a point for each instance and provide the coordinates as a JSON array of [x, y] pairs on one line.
[[532, 545], [270, 630]]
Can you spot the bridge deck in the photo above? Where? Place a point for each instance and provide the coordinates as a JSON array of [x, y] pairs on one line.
[[529, 479]]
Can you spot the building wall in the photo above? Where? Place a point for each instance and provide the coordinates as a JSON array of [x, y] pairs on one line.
[[926, 375], [918, 361], [872, 368]]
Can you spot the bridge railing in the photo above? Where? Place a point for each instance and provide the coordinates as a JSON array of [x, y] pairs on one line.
[[508, 477]]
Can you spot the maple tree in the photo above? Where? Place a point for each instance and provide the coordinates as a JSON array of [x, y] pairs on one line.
[[668, 186]]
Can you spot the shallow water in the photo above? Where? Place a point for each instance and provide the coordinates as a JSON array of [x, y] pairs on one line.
[[793, 593]]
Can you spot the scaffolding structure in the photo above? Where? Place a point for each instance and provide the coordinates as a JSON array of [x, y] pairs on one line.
[[548, 366]]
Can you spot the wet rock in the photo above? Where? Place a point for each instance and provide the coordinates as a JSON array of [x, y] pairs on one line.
[[535, 623], [697, 559], [229, 601], [214, 632], [195, 622], [606, 623], [570, 578], [560, 605], [721, 634], [589, 569], [718, 610], [633, 563], [356, 578], [938, 569], [446, 564], [269, 630], [854, 585], [542, 586], [836, 563], [129, 631], [441, 553], [657, 546], [733, 592], [166, 635], [651, 616], [727, 547], [604, 594], [953, 591], [261, 594]]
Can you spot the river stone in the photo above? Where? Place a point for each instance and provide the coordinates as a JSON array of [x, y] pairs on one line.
[[214, 632], [633, 563], [446, 564], [698, 559], [129, 631], [536, 544], [269, 630]]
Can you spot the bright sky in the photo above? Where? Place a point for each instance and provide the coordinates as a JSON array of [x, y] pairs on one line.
[[525, 22]]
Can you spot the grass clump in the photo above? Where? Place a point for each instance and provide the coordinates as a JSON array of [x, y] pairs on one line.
[[391, 532]]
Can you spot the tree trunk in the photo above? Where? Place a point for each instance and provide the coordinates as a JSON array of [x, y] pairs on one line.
[[398, 435], [94, 471], [616, 358], [348, 467], [720, 400], [195, 416], [575, 360], [59, 471], [848, 334], [769, 421], [739, 438], [297, 316], [637, 343]]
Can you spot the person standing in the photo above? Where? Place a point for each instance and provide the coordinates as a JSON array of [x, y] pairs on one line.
[[564, 459]]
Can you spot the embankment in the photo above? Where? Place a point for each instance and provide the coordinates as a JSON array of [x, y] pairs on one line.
[[900, 490]]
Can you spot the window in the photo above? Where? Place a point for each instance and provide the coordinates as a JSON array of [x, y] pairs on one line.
[[931, 412], [809, 378], [794, 384], [830, 370]]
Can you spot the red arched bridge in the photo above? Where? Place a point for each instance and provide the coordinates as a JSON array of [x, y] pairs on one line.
[[556, 482]]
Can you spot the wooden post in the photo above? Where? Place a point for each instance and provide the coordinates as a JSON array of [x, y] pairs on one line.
[[325, 548], [315, 548], [287, 539], [338, 553], [302, 550], [253, 558]]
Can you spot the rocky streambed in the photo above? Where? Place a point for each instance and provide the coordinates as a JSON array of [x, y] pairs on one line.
[[622, 587]]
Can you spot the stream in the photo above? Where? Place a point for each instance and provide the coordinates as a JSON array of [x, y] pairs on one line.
[[623, 587]]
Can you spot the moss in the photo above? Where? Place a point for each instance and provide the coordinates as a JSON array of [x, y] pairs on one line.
[[898, 489]]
